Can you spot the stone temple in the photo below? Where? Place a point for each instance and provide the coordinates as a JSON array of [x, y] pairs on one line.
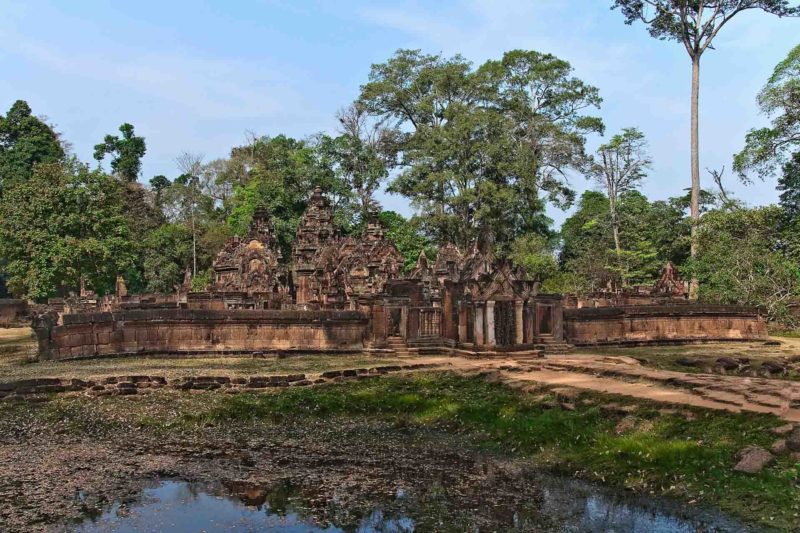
[[349, 294]]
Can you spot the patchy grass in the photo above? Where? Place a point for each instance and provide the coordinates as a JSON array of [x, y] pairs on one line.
[[17, 347], [663, 453]]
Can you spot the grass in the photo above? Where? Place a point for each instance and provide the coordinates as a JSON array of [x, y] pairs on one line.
[[17, 347], [664, 453]]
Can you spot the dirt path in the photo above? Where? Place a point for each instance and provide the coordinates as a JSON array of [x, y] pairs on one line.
[[625, 376]]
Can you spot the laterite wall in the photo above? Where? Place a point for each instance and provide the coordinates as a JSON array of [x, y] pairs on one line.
[[662, 323], [12, 312], [192, 331]]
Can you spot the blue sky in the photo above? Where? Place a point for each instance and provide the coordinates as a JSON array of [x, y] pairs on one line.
[[196, 76]]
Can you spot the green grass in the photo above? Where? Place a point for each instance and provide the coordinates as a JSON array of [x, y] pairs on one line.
[[665, 453]]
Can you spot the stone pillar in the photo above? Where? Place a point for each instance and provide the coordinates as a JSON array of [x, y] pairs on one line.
[[403, 321], [479, 324], [519, 332], [490, 340], [462, 323], [530, 319]]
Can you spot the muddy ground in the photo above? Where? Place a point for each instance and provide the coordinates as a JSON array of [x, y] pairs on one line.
[[51, 480]]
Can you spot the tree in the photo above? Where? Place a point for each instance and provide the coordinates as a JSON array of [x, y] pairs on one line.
[[480, 145], [406, 236], [739, 262], [650, 235], [361, 155], [586, 241], [621, 165], [63, 224], [536, 255], [695, 24], [126, 152], [25, 141], [789, 200], [767, 148], [166, 253], [278, 173]]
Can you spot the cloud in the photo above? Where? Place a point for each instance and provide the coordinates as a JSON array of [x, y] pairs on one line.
[[211, 88]]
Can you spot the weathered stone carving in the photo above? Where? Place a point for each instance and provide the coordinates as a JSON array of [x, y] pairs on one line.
[[670, 283], [331, 271], [252, 264]]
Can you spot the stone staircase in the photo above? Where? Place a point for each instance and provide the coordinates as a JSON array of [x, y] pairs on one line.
[[553, 347], [437, 346], [398, 345]]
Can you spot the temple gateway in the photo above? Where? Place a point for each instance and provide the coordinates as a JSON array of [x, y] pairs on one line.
[[350, 294]]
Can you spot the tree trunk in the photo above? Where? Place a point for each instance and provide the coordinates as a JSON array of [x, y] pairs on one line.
[[695, 140], [194, 246], [612, 208]]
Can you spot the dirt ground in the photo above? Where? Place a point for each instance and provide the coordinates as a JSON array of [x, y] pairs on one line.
[[48, 479]]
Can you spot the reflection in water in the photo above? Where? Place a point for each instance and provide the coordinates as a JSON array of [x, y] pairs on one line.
[[563, 505]]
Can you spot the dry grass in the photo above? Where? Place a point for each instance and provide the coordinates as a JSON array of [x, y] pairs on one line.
[[17, 348]]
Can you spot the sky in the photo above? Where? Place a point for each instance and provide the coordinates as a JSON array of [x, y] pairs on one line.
[[198, 76]]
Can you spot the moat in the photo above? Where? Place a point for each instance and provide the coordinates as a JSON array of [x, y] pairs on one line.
[[556, 504]]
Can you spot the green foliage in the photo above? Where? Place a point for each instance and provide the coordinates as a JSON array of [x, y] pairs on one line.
[[279, 173], [650, 235], [535, 254], [167, 253], [405, 234], [63, 223], [361, 156], [25, 141], [663, 453], [126, 152], [789, 188], [482, 144], [767, 148], [739, 262], [202, 280], [690, 22]]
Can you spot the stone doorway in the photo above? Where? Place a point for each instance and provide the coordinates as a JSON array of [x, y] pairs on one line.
[[504, 323]]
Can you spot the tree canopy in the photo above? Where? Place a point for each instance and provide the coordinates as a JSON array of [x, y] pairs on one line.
[[126, 152], [63, 224], [25, 140], [481, 146]]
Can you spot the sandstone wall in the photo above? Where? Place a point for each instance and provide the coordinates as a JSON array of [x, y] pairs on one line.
[[662, 323], [12, 312], [191, 331]]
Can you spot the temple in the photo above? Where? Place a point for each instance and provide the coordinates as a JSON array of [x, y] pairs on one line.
[[349, 294]]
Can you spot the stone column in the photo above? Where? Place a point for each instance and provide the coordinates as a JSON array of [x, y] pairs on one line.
[[490, 340], [462, 323], [519, 331], [403, 322], [479, 324], [530, 319]]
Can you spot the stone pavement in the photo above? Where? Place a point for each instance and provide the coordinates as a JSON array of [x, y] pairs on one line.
[[627, 377]]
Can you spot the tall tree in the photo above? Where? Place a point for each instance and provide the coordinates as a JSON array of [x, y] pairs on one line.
[[25, 140], [482, 144], [126, 152], [362, 154], [695, 24], [620, 166], [63, 224]]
